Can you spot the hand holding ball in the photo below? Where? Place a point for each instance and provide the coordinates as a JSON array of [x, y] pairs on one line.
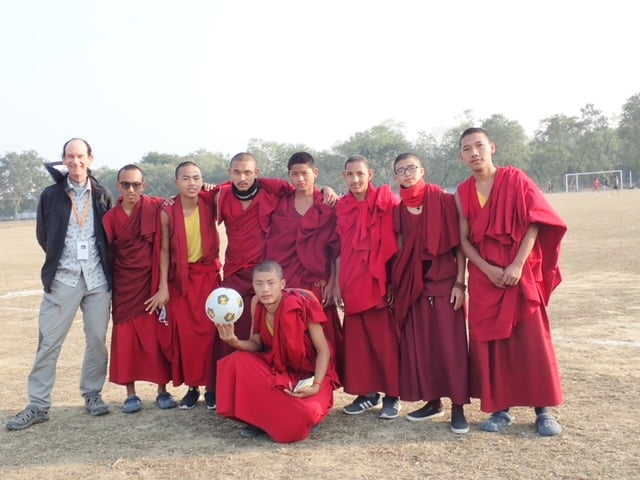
[[224, 306]]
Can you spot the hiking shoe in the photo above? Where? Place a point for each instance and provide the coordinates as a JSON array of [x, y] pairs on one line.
[[431, 410], [210, 400], [95, 405], [165, 401], [547, 425], [251, 431], [497, 422], [132, 404], [190, 399], [459, 422], [29, 416], [390, 407], [362, 403]]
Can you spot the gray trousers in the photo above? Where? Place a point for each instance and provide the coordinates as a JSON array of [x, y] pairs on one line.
[[57, 311]]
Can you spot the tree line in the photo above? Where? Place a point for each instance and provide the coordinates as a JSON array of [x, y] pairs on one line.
[[562, 144]]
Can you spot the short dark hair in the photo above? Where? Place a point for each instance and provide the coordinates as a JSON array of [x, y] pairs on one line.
[[243, 156], [269, 266], [357, 158], [301, 158], [406, 156], [64, 147], [185, 164], [130, 166], [471, 131]]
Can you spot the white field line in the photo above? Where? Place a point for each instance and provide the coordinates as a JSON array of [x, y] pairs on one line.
[[597, 341], [23, 293]]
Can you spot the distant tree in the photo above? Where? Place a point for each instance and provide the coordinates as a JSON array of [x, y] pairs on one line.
[[629, 134], [510, 139], [380, 144], [273, 156], [22, 178]]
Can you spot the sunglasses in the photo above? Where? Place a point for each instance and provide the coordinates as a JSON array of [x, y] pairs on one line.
[[128, 185]]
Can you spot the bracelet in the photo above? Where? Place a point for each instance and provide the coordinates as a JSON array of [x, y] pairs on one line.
[[317, 383], [460, 285]]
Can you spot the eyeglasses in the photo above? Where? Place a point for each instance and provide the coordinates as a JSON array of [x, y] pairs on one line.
[[128, 185], [409, 169]]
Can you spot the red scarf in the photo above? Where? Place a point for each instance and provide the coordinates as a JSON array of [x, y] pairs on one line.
[[414, 196]]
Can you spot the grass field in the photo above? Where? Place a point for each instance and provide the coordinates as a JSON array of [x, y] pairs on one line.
[[595, 316]]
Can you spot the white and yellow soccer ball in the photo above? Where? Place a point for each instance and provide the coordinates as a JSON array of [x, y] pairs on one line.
[[224, 306]]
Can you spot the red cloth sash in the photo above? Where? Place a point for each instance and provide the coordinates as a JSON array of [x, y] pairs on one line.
[[290, 350], [304, 245], [367, 242], [135, 241], [414, 196], [179, 264], [496, 231], [428, 237]]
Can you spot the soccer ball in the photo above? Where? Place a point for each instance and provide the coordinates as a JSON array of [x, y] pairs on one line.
[[224, 306]]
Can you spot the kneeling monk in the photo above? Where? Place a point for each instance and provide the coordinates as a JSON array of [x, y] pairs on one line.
[[287, 345]]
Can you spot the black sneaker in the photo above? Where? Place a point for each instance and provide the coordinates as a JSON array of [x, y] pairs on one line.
[[430, 410], [459, 422], [362, 403], [251, 431], [190, 399], [210, 400], [390, 407]]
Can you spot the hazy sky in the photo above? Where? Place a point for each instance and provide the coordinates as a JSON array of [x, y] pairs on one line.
[[175, 76]]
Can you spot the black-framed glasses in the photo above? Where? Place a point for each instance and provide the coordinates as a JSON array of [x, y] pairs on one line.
[[409, 169], [128, 185]]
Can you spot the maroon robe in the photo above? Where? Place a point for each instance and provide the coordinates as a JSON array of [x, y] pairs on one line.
[[134, 244], [245, 378], [246, 234], [512, 357], [367, 243], [433, 347], [306, 246], [191, 346]]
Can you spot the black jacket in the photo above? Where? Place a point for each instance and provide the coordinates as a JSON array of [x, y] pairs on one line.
[[54, 209]]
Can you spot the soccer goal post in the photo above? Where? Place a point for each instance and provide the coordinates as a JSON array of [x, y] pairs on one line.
[[581, 181]]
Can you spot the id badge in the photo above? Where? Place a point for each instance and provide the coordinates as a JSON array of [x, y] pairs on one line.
[[83, 250]]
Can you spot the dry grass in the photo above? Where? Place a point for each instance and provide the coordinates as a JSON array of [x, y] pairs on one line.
[[595, 316]]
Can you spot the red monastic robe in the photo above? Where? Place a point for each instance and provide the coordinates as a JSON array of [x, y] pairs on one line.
[[245, 378], [134, 243], [246, 234], [305, 246], [368, 242], [193, 333], [512, 357], [433, 348]]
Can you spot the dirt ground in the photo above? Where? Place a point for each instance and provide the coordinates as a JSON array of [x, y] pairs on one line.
[[595, 316]]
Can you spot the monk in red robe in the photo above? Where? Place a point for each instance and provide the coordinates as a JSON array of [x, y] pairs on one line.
[[511, 236], [190, 270], [367, 244], [285, 365], [302, 239], [428, 281], [134, 237]]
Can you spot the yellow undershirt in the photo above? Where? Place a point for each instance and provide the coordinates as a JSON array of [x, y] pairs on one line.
[[194, 238], [482, 199]]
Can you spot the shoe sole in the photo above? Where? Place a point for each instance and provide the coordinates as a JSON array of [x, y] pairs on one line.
[[211, 407], [186, 407], [386, 416], [26, 425], [98, 413], [460, 431], [428, 417]]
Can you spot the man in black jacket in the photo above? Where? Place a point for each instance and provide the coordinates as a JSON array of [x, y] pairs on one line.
[[75, 273]]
